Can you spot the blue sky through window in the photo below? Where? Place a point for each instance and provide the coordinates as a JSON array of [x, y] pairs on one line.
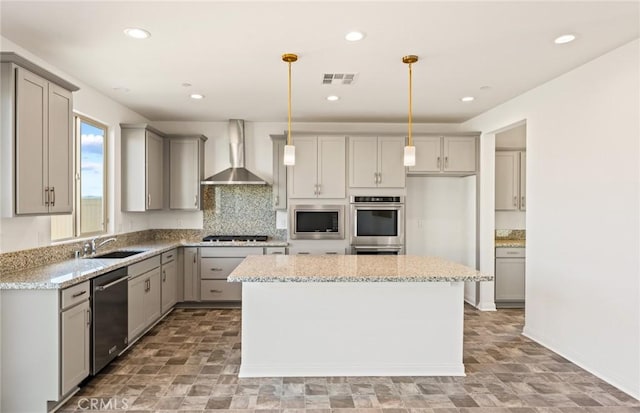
[[91, 160]]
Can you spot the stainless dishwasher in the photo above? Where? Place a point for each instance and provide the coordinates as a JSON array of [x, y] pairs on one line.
[[109, 329]]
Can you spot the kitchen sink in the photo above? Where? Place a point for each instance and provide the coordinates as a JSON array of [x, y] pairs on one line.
[[117, 254]]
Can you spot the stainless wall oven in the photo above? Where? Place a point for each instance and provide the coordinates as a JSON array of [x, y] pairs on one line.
[[377, 222], [316, 222]]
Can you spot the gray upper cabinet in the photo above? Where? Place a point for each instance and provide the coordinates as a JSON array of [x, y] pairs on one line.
[[376, 162], [186, 170], [510, 186], [142, 167], [450, 155], [279, 173], [37, 124]]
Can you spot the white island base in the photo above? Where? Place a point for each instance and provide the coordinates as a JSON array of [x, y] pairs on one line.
[[352, 329]]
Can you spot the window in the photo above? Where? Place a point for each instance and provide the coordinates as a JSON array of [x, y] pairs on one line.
[[90, 213]]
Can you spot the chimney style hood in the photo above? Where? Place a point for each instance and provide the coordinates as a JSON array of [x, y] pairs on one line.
[[237, 174]]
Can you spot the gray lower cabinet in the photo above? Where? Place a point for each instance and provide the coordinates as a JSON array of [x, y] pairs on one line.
[[169, 288], [144, 296], [216, 263], [44, 346], [510, 277], [191, 279], [75, 336]]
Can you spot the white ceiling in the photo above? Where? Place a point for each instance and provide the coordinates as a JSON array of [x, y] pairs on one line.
[[230, 52]]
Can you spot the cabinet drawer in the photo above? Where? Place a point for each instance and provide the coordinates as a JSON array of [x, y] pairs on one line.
[[510, 252], [76, 294], [229, 251], [169, 256], [275, 251], [218, 268], [219, 290], [143, 266]]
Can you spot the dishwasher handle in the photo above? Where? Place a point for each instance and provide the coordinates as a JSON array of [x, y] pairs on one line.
[[111, 284]]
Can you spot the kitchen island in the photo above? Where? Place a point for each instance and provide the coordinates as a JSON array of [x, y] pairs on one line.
[[352, 315]]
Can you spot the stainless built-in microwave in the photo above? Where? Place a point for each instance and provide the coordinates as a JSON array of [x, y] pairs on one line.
[[316, 222]]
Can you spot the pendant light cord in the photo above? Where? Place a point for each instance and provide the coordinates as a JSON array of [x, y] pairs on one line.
[[410, 104], [289, 107]]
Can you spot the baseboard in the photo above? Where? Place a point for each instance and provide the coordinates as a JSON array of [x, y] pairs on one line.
[[486, 306], [575, 359]]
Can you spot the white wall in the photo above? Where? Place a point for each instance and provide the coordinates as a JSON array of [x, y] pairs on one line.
[[583, 190], [30, 232]]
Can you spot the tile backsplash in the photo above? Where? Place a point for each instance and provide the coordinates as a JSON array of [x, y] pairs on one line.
[[240, 210]]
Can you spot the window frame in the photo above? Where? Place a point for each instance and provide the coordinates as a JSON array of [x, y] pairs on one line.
[[76, 216]]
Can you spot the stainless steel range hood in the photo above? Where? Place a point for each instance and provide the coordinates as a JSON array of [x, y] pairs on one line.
[[237, 174]]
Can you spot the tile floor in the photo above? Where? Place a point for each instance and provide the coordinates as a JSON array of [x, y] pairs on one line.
[[189, 363]]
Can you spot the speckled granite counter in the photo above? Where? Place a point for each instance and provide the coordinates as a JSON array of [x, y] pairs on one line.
[[352, 268], [70, 272], [510, 243]]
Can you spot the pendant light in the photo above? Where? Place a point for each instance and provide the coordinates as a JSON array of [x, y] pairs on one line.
[[289, 149], [410, 150]]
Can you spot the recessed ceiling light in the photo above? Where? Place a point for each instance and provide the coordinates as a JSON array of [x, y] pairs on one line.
[[467, 99], [354, 36], [485, 87], [136, 33], [565, 38], [196, 96], [186, 84], [333, 98], [121, 89]]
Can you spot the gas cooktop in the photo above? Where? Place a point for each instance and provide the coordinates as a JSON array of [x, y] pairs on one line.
[[223, 238]]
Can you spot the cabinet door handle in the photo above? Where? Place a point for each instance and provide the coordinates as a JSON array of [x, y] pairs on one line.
[[375, 177], [438, 163], [379, 177], [52, 191], [522, 202], [515, 201], [169, 257], [195, 202], [303, 253], [277, 200], [46, 195], [148, 200], [79, 294], [89, 317], [194, 258], [276, 253], [164, 275], [319, 189], [216, 269], [446, 162], [331, 253], [215, 291]]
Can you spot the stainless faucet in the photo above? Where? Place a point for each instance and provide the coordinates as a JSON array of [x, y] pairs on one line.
[[94, 247]]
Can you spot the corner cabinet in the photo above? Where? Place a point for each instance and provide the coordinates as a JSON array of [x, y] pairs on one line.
[[320, 169], [142, 167], [279, 173], [37, 128], [186, 170], [376, 162], [450, 155], [510, 181]]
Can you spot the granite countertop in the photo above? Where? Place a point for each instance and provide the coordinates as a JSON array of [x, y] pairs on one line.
[[352, 268], [74, 271], [510, 243]]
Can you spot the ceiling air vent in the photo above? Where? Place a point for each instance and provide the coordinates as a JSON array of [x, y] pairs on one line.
[[339, 78]]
